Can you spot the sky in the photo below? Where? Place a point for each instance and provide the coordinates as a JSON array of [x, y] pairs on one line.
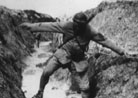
[[54, 8]]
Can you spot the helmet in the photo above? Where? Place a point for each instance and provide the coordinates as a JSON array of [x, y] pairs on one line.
[[80, 18]]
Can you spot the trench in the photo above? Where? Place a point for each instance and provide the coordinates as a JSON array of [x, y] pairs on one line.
[[31, 76]]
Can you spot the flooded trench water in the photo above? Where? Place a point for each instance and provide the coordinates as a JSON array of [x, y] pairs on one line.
[[32, 74]]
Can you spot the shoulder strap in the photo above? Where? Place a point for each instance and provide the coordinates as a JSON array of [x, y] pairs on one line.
[[79, 44], [74, 35], [66, 41]]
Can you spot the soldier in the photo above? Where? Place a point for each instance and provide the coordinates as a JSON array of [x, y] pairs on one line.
[[76, 38], [37, 38]]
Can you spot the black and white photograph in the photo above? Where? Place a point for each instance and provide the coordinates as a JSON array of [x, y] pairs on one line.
[[68, 48]]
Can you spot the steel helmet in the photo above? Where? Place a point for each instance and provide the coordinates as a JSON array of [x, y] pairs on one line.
[[80, 18]]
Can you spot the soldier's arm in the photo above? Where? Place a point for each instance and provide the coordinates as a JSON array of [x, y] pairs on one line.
[[99, 38], [43, 27]]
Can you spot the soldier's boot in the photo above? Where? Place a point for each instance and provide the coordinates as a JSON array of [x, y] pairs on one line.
[[38, 95], [85, 94]]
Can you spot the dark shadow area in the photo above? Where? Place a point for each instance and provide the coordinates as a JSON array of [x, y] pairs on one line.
[[93, 87]]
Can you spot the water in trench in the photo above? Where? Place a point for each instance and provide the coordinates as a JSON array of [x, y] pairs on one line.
[[31, 76]]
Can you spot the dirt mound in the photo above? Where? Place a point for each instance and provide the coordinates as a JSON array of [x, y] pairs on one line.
[[115, 77], [118, 21], [15, 44]]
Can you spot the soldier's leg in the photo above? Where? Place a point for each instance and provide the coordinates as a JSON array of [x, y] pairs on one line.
[[49, 69], [82, 79], [51, 66], [59, 58]]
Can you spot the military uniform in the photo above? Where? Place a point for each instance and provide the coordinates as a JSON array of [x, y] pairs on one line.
[[69, 53], [73, 51]]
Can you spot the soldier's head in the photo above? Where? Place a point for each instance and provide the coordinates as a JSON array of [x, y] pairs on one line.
[[80, 18]]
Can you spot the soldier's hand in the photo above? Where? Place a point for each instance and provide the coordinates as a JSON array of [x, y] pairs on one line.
[[131, 55], [25, 25]]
